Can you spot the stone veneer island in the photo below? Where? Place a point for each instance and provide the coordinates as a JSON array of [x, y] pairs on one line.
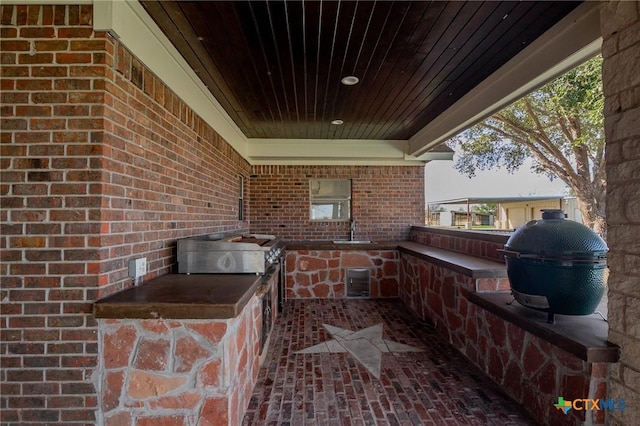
[[158, 366]]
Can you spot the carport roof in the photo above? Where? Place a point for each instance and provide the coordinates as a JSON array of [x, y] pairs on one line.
[[487, 200]]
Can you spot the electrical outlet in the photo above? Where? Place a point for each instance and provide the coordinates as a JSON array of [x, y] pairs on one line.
[[138, 268]]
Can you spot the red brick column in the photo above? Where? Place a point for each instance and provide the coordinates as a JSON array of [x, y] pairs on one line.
[[53, 67], [620, 28], [101, 163]]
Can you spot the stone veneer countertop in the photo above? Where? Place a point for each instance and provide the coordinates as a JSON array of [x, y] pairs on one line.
[[182, 296], [471, 266]]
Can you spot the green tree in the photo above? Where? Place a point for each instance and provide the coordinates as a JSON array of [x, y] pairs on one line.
[[437, 208], [561, 127], [489, 208]]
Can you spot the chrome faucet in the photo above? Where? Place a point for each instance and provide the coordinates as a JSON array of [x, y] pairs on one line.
[[352, 230]]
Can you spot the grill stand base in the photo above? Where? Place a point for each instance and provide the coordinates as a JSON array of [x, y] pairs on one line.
[[551, 318]]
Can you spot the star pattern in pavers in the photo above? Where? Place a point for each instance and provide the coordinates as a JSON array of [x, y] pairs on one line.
[[366, 345]]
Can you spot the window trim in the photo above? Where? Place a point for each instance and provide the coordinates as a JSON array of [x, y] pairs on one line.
[[330, 199]]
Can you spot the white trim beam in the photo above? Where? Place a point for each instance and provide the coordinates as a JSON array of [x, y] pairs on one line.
[[334, 151]]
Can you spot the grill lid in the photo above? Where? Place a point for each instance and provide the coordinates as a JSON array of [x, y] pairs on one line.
[[554, 238]]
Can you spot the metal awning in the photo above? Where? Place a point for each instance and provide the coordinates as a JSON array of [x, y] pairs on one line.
[[497, 200]]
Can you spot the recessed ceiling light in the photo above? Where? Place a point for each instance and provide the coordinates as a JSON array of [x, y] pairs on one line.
[[350, 80], [337, 122]]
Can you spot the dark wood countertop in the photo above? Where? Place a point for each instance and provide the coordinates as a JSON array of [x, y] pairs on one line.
[[220, 296], [474, 267], [345, 245], [182, 296]]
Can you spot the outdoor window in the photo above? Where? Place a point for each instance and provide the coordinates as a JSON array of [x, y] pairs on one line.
[[330, 199]]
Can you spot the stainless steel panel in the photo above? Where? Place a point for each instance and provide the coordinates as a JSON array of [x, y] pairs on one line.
[[358, 282], [235, 254], [214, 261]]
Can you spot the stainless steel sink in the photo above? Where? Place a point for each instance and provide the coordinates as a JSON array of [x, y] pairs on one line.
[[352, 242]]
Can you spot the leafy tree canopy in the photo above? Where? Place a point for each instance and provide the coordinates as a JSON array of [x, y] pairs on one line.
[[560, 127], [489, 208]]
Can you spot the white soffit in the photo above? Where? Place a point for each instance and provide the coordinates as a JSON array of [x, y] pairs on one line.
[[567, 44]]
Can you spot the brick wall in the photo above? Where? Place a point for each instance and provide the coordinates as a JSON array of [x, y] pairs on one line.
[[166, 174], [97, 156], [51, 110], [101, 163], [475, 243], [386, 201], [620, 27]]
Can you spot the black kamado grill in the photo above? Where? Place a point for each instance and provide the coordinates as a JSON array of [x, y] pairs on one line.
[[556, 265]]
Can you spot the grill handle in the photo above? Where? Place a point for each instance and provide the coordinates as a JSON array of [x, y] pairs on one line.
[[518, 255]]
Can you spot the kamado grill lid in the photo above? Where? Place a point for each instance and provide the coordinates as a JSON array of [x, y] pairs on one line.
[[555, 238]]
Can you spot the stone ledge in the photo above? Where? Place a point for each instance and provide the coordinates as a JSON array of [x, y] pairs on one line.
[[584, 336], [330, 245], [471, 266]]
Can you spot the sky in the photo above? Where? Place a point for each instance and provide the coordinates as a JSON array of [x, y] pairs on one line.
[[443, 182]]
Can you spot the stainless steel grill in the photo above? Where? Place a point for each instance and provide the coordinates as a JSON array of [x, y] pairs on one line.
[[227, 254]]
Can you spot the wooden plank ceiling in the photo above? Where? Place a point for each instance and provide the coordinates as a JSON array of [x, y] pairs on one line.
[[276, 66]]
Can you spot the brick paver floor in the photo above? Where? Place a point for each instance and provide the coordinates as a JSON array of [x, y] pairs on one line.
[[434, 386]]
